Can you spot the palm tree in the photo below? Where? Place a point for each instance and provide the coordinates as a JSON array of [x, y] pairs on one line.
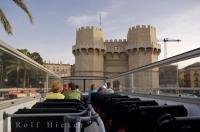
[[17, 66], [34, 55], [5, 21]]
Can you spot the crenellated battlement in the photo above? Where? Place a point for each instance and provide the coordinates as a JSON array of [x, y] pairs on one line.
[[89, 28], [115, 41], [141, 27], [95, 56]]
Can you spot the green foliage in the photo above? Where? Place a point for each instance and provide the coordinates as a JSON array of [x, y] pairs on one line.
[[35, 55], [23, 6], [18, 73], [25, 51], [5, 22]]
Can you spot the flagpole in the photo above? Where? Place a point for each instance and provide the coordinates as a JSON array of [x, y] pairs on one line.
[[100, 20]]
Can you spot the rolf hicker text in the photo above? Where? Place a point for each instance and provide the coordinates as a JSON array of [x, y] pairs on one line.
[[38, 124]]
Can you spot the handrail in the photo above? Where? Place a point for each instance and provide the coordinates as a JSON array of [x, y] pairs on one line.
[[9, 103], [173, 59], [5, 47], [165, 97], [77, 117], [84, 78]]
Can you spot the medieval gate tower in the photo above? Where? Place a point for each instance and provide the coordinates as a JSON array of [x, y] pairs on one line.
[[89, 52], [96, 57]]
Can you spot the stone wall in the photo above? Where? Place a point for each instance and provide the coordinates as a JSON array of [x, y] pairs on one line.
[[96, 57]]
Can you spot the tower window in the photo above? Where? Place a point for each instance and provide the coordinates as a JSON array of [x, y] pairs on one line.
[[116, 48]]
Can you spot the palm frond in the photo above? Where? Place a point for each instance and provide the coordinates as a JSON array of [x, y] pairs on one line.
[[5, 22], [23, 6]]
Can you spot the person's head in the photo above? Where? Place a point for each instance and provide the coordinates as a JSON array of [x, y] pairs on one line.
[[104, 86], [101, 89], [108, 84], [76, 86], [65, 87], [92, 86], [56, 87], [72, 86]]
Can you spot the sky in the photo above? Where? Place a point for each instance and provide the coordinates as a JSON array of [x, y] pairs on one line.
[[55, 23]]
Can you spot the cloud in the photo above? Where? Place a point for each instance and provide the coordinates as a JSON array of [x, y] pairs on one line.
[[87, 19], [182, 25], [103, 14], [81, 20], [63, 57], [180, 21]]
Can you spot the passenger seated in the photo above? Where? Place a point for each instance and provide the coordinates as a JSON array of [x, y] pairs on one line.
[[56, 89], [106, 89], [92, 88], [65, 88], [72, 93], [77, 88], [109, 90], [102, 89]]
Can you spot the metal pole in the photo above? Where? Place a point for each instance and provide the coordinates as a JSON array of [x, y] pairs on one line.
[[132, 81], [5, 122], [48, 114], [177, 76], [78, 125], [111, 83], [99, 120], [84, 85], [165, 50], [101, 125], [17, 75], [47, 83], [1, 75], [66, 124], [100, 20]]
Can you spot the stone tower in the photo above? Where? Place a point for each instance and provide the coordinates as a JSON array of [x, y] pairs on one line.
[[89, 52], [115, 57], [96, 57], [142, 49]]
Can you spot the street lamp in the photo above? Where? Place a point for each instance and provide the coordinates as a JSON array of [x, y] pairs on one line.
[[1, 75], [40, 82], [5, 80]]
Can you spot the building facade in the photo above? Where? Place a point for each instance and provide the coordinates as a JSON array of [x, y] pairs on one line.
[[63, 70], [95, 56], [168, 76], [190, 76]]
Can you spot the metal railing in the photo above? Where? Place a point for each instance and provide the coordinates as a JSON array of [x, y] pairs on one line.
[[91, 115], [19, 73], [131, 81], [12, 51]]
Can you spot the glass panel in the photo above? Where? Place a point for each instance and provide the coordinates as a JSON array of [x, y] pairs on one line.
[[176, 79], [20, 79]]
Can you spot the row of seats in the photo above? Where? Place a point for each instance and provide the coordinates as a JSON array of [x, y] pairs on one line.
[[125, 114], [178, 124], [38, 123], [120, 113]]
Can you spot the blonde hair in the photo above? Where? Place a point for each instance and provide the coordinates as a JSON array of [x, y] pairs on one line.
[[56, 86], [92, 86]]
